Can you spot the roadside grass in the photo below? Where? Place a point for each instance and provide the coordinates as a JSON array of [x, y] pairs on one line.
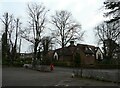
[[96, 79]]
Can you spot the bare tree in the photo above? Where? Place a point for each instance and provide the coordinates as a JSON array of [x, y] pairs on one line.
[[20, 45], [113, 8], [15, 30], [113, 12], [108, 34], [46, 45], [10, 36], [6, 20], [66, 28], [37, 23]]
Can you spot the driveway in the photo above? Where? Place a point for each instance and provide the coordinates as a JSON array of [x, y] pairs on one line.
[[60, 76]]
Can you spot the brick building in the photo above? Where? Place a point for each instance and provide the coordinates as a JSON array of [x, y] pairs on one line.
[[88, 53]]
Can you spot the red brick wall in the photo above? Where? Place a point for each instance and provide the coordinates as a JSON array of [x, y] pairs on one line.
[[65, 58], [89, 59], [86, 59]]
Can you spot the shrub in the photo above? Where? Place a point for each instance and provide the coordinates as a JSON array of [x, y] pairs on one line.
[[77, 60], [63, 63], [18, 64]]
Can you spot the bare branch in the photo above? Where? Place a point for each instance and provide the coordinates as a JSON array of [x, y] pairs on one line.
[[66, 28]]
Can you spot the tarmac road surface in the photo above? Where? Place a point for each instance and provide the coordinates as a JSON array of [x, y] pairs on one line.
[[12, 76]]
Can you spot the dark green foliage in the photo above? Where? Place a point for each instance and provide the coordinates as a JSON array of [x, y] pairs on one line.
[[77, 60], [111, 46], [5, 50], [18, 64], [102, 65], [46, 42], [46, 61], [63, 64], [108, 35], [9, 49], [35, 52], [5, 45], [27, 60]]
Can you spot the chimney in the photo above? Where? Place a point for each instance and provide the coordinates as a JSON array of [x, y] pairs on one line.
[[71, 43]]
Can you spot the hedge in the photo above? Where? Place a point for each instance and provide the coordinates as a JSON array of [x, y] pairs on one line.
[[63, 64], [94, 66]]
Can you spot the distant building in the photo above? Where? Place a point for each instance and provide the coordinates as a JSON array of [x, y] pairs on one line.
[[98, 54], [89, 54], [66, 53]]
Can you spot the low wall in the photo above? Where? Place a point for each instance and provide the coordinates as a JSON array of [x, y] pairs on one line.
[[107, 75]]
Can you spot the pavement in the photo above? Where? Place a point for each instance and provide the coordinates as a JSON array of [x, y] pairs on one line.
[[12, 76]]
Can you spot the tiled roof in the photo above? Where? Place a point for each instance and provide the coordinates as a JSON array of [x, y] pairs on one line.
[[87, 49], [66, 50]]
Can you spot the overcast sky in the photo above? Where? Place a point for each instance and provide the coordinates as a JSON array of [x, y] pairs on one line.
[[88, 13]]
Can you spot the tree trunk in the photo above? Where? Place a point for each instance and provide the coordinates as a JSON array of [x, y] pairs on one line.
[[104, 49], [6, 38], [35, 53]]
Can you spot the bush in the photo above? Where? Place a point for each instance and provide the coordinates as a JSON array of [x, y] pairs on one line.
[[18, 64], [63, 64], [102, 66], [77, 60], [107, 66], [46, 62]]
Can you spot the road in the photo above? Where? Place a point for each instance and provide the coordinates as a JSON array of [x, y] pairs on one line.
[[60, 76]]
